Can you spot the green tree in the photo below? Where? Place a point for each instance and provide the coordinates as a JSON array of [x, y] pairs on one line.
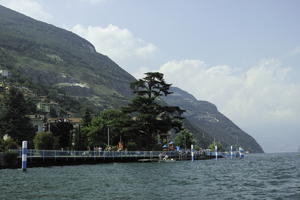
[[149, 117], [95, 133], [80, 133], [80, 140], [109, 123], [13, 120], [212, 146], [45, 141], [3, 111], [184, 139], [62, 129], [87, 118]]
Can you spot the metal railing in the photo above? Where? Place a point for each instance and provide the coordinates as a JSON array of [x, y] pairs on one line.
[[32, 153]]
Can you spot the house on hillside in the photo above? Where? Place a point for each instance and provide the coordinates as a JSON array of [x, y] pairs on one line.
[[43, 107], [76, 122], [4, 73], [38, 122], [48, 108], [54, 109]]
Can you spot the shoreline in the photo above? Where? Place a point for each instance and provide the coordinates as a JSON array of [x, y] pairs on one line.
[[48, 161]]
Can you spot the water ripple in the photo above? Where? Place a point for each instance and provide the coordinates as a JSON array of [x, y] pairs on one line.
[[261, 176]]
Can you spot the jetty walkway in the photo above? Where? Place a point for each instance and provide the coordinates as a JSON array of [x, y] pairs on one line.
[[37, 158]]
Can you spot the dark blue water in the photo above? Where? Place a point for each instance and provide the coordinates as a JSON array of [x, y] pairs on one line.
[[265, 176]]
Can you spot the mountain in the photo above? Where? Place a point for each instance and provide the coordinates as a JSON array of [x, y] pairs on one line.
[[212, 124], [56, 58], [66, 68]]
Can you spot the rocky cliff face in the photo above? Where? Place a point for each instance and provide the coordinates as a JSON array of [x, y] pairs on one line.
[[206, 117]]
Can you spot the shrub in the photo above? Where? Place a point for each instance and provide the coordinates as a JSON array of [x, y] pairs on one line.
[[45, 141], [111, 148], [7, 144]]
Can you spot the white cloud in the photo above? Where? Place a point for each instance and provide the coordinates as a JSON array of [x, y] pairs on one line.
[[261, 96], [119, 44], [145, 51], [93, 1], [265, 86], [293, 52], [28, 7], [140, 72]]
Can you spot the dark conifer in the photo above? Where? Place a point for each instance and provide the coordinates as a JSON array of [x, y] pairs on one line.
[[13, 119], [150, 118]]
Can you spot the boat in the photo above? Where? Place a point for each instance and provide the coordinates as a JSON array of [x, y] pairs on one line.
[[167, 160]]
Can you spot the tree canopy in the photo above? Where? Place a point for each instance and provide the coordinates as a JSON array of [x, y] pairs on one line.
[[212, 146], [142, 124], [45, 141], [109, 121], [184, 139], [13, 119], [150, 118], [62, 129]]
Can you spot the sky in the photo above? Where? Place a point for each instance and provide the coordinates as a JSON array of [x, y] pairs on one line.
[[243, 56]]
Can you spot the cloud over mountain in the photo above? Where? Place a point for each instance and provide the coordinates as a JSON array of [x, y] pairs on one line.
[[119, 44], [31, 8]]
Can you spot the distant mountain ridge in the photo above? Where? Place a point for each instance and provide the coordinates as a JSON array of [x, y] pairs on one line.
[[205, 116], [58, 63]]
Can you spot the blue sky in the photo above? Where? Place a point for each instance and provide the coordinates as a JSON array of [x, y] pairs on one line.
[[242, 56]]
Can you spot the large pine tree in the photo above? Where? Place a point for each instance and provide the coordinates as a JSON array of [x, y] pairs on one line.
[[150, 117], [13, 120], [62, 129]]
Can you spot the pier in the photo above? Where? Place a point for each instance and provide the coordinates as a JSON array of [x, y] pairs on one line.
[[39, 158]]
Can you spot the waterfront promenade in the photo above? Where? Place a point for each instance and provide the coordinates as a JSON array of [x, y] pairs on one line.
[[38, 158]]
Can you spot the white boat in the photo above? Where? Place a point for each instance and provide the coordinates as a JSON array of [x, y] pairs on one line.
[[168, 160]]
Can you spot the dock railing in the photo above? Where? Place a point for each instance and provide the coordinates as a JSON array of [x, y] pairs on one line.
[[32, 153]]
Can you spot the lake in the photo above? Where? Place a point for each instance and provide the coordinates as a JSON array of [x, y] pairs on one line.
[[258, 176]]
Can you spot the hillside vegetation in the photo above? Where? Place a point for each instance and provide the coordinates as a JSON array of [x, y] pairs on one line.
[[56, 58]]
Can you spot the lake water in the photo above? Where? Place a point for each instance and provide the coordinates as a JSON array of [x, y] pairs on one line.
[[258, 176]]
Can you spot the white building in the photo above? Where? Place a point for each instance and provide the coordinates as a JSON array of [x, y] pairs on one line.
[[4, 73]]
